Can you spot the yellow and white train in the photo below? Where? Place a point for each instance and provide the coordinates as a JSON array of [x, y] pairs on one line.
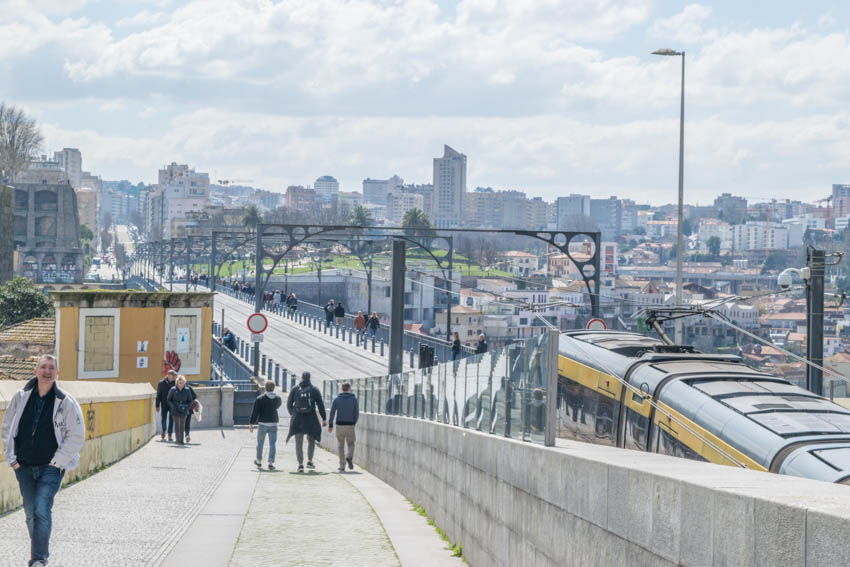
[[709, 407]]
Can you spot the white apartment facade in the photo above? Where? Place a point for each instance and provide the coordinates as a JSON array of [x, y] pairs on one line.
[[400, 201], [759, 235], [71, 162], [327, 188], [449, 188]]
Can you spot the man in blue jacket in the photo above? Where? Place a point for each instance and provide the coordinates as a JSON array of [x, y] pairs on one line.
[[346, 410]]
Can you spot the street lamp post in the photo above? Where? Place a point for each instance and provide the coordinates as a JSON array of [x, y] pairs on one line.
[[680, 250]]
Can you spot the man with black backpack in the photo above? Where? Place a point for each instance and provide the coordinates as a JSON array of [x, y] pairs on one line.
[[302, 403]]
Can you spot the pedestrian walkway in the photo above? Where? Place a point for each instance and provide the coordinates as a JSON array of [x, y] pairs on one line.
[[208, 505]]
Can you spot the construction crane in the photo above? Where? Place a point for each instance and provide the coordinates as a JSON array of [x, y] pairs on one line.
[[227, 183]]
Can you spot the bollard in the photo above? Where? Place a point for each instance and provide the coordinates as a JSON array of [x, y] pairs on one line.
[[270, 369], [351, 332], [411, 357], [382, 347], [373, 344], [241, 348], [292, 381], [277, 374], [263, 363], [365, 342], [337, 332]]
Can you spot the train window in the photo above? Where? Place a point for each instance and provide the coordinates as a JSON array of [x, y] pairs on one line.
[[637, 428], [669, 445], [584, 414]]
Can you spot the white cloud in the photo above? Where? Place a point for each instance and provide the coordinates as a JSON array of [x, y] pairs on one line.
[[143, 18], [686, 27], [24, 29]]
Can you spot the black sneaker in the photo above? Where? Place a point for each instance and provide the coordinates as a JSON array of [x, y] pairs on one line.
[[350, 464], [300, 468], [271, 466], [258, 463], [310, 465]]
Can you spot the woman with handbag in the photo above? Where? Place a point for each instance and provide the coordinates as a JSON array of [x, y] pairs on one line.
[[180, 402]]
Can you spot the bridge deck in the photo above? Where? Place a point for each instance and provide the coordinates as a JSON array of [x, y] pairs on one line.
[[298, 348], [207, 504]]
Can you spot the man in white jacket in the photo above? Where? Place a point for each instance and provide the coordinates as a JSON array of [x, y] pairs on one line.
[[43, 433]]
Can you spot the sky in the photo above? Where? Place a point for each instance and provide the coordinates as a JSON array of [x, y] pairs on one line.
[[549, 97]]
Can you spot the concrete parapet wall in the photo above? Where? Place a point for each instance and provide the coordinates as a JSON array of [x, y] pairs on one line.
[[218, 408], [512, 503], [119, 420]]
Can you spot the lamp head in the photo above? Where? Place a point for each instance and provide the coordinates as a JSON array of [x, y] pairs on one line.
[[667, 51]]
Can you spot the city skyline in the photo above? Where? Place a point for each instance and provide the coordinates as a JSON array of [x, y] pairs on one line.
[[547, 100]]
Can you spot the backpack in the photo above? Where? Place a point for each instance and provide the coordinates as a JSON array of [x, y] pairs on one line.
[[304, 400]]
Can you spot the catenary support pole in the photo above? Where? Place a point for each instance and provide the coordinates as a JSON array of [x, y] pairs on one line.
[[396, 359], [815, 259]]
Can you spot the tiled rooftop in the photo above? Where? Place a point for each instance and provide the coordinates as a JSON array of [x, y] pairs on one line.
[[17, 368], [42, 331]]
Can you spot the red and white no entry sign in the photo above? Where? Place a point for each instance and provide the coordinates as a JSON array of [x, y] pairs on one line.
[[257, 323], [596, 325]]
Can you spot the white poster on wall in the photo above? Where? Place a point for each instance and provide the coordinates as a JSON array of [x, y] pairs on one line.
[[141, 362], [141, 346], [182, 339]]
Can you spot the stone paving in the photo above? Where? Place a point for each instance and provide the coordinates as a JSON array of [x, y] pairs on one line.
[[314, 518], [163, 503], [132, 512]]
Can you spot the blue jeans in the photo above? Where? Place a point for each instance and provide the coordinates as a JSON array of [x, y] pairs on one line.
[[166, 414], [262, 431], [39, 484]]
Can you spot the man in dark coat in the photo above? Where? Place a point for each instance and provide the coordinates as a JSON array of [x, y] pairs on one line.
[[229, 339], [162, 406], [481, 347], [302, 403]]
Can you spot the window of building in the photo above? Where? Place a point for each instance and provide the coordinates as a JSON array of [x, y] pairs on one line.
[[99, 339], [183, 337]]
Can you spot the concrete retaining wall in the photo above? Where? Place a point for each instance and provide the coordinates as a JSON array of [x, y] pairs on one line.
[[218, 408], [119, 420], [511, 503]]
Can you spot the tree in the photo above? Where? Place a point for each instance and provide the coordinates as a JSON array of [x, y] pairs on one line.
[[252, 217], [86, 233], [105, 239], [120, 255], [20, 301], [714, 246], [360, 216], [20, 141], [416, 222], [687, 229]]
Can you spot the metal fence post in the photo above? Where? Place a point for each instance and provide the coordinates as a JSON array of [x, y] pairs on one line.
[[552, 344]]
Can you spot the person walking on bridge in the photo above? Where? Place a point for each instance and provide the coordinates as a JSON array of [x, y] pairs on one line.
[[360, 323], [43, 432], [180, 403], [329, 312], [292, 302], [339, 313], [162, 406], [302, 403], [346, 410], [373, 323], [265, 417]]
